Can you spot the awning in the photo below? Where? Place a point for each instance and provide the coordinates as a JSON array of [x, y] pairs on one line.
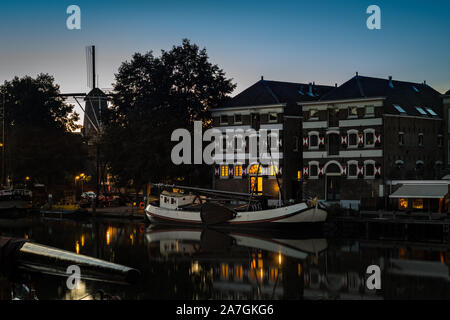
[[432, 191]]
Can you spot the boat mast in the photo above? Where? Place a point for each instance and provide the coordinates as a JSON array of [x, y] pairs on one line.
[[3, 182], [254, 186]]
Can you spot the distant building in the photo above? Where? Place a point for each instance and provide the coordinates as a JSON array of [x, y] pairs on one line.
[[367, 132]]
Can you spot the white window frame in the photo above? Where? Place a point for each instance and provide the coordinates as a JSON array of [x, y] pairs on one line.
[[352, 162], [313, 163], [371, 115], [349, 132], [352, 116], [272, 121], [367, 162], [365, 138], [317, 113], [313, 133]]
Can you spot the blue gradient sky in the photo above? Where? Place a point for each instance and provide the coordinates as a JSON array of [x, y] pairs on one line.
[[300, 41]]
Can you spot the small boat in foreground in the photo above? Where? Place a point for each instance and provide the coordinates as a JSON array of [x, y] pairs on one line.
[[244, 210]]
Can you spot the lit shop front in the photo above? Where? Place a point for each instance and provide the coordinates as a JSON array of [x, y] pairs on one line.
[[421, 197]]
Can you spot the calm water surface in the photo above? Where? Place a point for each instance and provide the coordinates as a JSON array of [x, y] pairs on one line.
[[194, 264]]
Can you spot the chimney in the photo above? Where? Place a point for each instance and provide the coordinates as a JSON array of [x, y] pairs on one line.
[[262, 78], [335, 85], [424, 82], [390, 82], [356, 73], [310, 88]]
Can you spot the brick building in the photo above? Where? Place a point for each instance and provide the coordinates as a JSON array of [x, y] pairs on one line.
[[446, 111], [367, 132], [269, 105]]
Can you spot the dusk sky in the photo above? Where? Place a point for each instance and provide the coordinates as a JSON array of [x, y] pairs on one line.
[[298, 41]]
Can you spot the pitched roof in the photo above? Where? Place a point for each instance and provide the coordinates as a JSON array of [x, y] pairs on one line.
[[448, 92], [265, 92], [407, 95]]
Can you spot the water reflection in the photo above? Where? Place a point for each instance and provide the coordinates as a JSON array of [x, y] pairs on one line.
[[179, 263]]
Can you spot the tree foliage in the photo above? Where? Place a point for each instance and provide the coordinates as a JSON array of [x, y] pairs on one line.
[[40, 143], [153, 97]]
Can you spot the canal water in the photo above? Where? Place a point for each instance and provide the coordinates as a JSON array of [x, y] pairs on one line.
[[190, 264]]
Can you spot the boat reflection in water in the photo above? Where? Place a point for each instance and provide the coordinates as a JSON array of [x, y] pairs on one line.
[[237, 265], [180, 263]]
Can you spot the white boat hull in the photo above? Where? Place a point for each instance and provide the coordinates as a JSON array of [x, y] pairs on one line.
[[280, 217]]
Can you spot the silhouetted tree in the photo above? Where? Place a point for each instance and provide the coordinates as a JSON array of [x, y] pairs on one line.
[[153, 97], [40, 143]]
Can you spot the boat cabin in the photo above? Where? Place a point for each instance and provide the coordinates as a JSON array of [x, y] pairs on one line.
[[174, 200]]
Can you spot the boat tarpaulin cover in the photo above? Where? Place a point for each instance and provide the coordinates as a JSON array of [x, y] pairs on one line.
[[432, 191]]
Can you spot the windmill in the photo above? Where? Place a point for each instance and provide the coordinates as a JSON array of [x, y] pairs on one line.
[[95, 103]]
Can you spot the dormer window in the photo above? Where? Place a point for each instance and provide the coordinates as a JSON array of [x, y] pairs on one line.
[[399, 109], [431, 111], [421, 111]]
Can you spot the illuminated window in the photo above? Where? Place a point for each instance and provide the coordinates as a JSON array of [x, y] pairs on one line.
[[254, 168], [238, 171], [299, 175], [403, 203], [238, 272], [224, 271], [259, 185], [224, 171], [417, 203], [273, 170]]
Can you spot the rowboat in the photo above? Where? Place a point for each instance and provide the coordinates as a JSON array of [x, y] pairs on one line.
[[193, 209]]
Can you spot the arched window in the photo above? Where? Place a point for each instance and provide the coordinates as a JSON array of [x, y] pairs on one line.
[[313, 140], [352, 139], [369, 138], [253, 169], [369, 169], [313, 169], [352, 171]]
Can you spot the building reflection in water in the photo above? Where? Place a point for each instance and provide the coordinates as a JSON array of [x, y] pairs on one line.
[[192, 264]]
